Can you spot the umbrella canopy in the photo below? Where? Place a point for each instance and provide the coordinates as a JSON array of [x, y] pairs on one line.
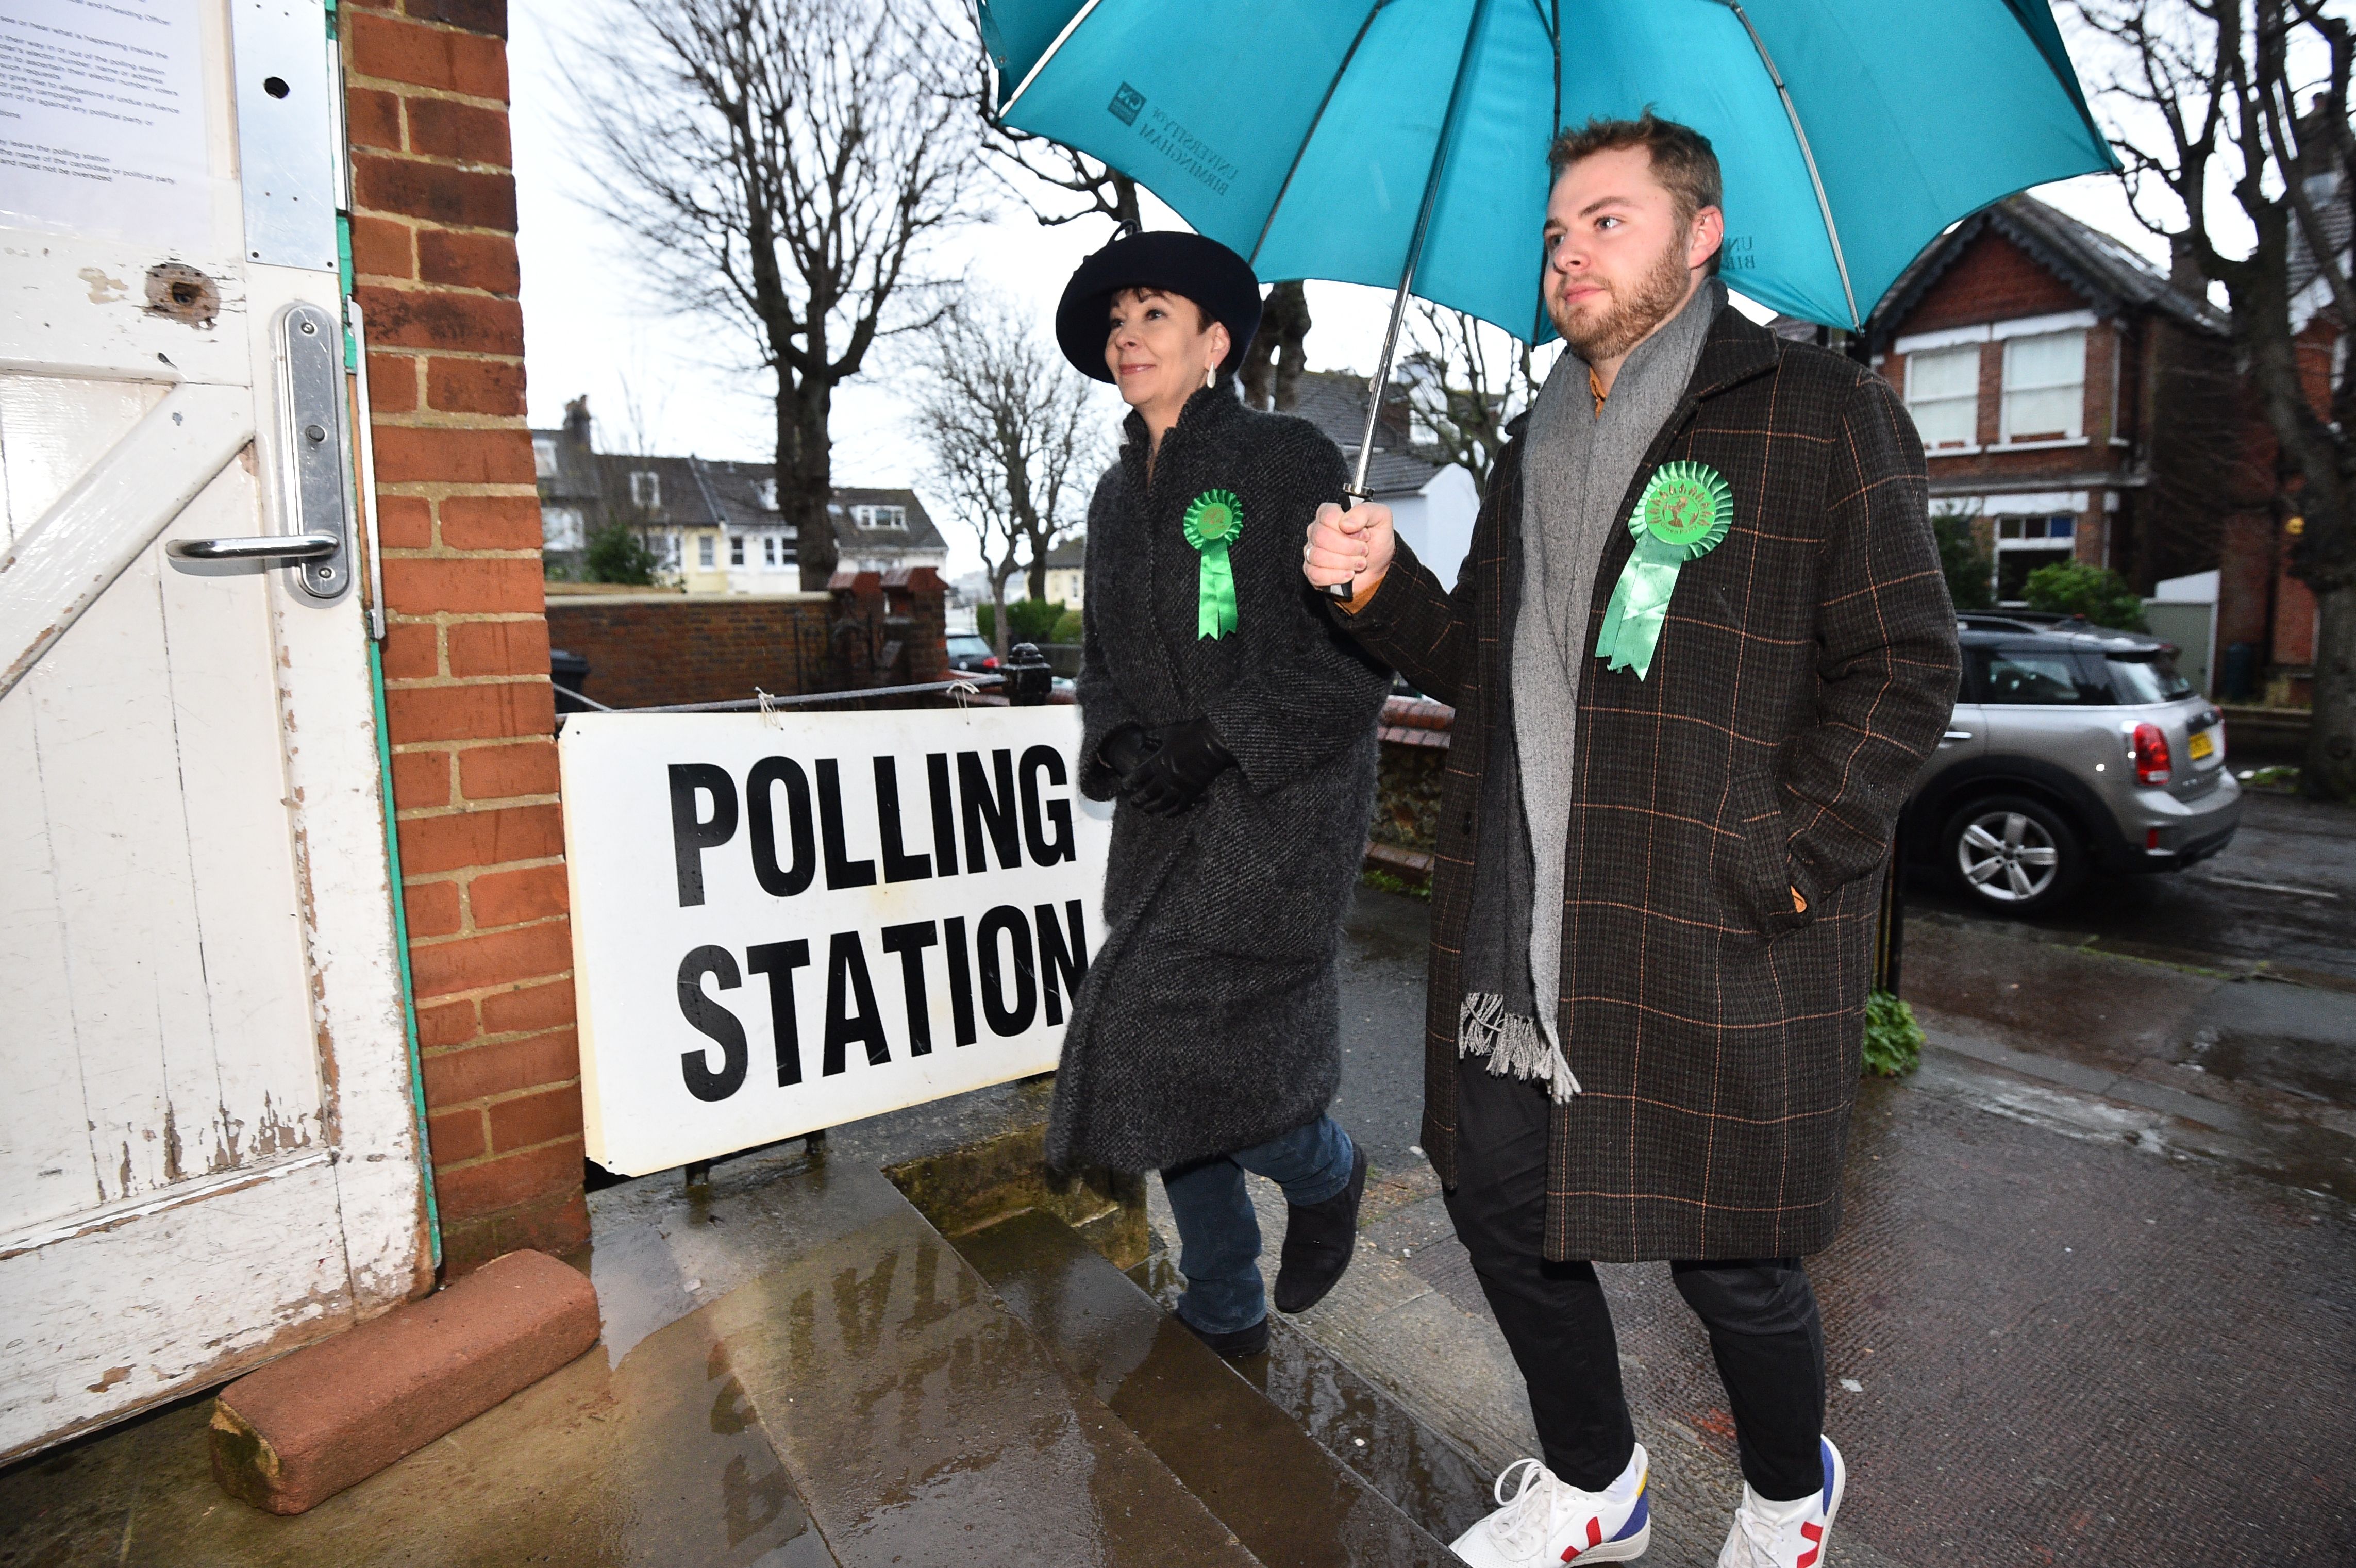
[[1370, 142]]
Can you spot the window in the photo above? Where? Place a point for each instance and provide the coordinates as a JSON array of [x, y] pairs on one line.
[[560, 527], [2045, 387], [666, 549], [2033, 677], [766, 491], [874, 517], [705, 548], [544, 455], [1942, 393], [2052, 529], [646, 490], [2145, 678], [768, 549], [736, 549]]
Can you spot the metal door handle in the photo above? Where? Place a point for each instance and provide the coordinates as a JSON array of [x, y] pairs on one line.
[[257, 547], [1956, 734]]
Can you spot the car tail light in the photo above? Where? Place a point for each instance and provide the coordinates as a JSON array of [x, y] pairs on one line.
[[991, 664], [2151, 759]]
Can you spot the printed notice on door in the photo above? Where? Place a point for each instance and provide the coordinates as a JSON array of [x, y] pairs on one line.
[[102, 119]]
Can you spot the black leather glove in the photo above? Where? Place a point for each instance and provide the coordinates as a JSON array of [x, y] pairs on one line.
[[1125, 751], [1186, 757]]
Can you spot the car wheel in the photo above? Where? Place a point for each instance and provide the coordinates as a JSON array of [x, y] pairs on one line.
[[2013, 855]]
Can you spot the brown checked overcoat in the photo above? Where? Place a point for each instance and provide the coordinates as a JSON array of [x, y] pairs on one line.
[[1807, 666]]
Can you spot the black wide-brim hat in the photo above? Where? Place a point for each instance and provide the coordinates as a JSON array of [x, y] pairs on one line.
[[1188, 265]]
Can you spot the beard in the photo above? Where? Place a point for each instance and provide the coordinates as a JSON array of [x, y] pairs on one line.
[[1627, 318]]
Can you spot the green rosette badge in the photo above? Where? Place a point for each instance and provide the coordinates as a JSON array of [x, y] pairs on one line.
[[1214, 520], [1684, 512]]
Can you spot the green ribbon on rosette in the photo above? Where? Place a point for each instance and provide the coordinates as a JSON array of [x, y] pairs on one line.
[[1213, 520], [1682, 514]]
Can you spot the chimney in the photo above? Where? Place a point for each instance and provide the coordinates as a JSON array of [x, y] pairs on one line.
[[576, 421]]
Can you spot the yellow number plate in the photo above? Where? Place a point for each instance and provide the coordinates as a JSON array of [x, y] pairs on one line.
[[2203, 745]]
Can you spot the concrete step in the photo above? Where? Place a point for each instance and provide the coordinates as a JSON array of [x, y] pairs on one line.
[[1287, 1497], [922, 1421]]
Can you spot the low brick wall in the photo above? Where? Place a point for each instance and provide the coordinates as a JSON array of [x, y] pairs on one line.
[[1406, 825], [647, 650], [653, 650]]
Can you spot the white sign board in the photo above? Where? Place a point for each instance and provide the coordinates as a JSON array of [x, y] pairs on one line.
[[102, 119], [787, 923]]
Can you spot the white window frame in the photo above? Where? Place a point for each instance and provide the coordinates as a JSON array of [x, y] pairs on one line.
[[2075, 433], [645, 489], [543, 456], [707, 551], [1956, 352], [736, 549]]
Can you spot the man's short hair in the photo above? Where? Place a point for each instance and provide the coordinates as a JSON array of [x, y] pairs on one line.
[[1682, 160]]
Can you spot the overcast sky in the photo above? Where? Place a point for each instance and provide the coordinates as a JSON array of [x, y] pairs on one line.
[[591, 327]]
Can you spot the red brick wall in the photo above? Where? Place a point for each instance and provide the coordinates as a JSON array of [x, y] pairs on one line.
[[1993, 280], [466, 660], [646, 651], [658, 648]]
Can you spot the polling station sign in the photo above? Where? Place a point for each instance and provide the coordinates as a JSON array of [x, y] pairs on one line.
[[785, 922]]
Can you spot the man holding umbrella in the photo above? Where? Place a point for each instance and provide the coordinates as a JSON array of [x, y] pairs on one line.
[[1698, 652]]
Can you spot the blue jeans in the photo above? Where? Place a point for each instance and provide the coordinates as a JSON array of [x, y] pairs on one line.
[[1218, 1235]]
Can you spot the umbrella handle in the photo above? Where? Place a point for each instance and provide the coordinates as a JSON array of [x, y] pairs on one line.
[[1351, 502]]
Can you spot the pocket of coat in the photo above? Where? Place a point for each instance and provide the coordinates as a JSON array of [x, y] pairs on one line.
[[1752, 866]]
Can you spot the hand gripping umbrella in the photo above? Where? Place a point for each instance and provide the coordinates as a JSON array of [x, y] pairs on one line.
[[1402, 142]]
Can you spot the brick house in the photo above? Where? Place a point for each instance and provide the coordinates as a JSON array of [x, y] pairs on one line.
[[2074, 401], [713, 524]]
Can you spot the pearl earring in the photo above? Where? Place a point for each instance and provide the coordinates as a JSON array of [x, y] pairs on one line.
[[1211, 377]]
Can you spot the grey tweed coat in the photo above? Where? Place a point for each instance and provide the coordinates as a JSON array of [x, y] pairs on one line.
[[1807, 666], [1209, 1020]]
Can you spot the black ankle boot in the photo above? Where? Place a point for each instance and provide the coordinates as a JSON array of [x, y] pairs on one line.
[[1235, 1344], [1317, 1241]]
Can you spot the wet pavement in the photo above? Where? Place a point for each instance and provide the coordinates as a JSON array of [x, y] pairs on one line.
[[1287, 1496], [797, 1372]]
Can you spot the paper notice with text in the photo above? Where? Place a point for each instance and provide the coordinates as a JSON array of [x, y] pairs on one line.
[[103, 120]]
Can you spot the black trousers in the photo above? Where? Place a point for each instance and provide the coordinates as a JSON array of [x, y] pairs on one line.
[[1760, 1314]]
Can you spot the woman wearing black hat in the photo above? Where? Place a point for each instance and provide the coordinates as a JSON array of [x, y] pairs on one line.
[[1238, 729]]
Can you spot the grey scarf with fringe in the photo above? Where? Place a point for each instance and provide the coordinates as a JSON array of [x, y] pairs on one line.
[[1577, 466]]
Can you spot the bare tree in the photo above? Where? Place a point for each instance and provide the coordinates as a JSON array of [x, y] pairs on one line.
[[1272, 365], [1107, 192], [2212, 135], [782, 165], [1016, 440], [1467, 381]]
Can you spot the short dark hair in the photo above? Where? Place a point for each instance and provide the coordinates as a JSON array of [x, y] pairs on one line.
[[1682, 159]]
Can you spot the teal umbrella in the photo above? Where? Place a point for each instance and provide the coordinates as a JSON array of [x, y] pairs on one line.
[[1402, 142]]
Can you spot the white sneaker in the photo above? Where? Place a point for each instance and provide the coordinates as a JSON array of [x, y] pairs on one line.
[[1786, 1535], [1548, 1521]]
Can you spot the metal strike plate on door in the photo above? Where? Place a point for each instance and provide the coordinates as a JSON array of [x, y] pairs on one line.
[[316, 470]]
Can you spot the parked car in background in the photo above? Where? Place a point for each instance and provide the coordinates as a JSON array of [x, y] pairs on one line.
[[970, 650], [2073, 749]]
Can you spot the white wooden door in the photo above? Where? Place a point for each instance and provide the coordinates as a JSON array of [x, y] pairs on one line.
[[207, 1145]]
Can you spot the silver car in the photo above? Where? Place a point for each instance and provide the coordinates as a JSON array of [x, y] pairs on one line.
[[2073, 749]]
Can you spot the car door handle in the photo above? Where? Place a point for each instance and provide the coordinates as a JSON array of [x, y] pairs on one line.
[[257, 547], [1955, 734]]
